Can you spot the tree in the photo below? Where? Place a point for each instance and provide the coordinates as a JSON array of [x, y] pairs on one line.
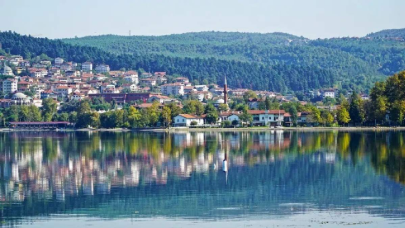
[[94, 119], [166, 115], [84, 117], [2, 119], [211, 114], [246, 117], [267, 103], [63, 116], [235, 123], [13, 113], [343, 116], [249, 95], [48, 109], [327, 118], [397, 112], [194, 107], [227, 123], [241, 108], [294, 114], [35, 113], [133, 116], [222, 107], [174, 109], [343, 102], [24, 114], [356, 110], [315, 115], [152, 114], [73, 117]]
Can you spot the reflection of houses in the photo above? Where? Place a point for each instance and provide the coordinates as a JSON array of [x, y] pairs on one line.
[[64, 176]]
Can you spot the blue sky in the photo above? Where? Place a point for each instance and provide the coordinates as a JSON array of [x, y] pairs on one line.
[[309, 18]]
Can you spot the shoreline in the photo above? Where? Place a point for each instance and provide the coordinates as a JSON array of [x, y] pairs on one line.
[[184, 129]]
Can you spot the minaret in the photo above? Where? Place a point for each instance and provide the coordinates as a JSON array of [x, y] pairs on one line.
[[225, 92]]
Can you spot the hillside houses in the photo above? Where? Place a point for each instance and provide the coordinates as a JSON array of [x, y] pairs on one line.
[[67, 81]]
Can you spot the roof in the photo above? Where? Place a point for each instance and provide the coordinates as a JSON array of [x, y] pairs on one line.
[[188, 116], [40, 123], [229, 113], [258, 112], [19, 95]]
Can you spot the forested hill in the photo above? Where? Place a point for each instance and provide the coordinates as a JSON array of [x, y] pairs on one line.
[[255, 75], [355, 60], [388, 33]]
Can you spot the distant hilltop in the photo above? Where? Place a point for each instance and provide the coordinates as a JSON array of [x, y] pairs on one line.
[[389, 33]]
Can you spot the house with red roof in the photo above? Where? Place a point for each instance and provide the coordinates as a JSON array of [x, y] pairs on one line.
[[187, 120]]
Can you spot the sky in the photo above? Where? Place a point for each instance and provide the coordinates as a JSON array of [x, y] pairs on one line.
[[309, 18]]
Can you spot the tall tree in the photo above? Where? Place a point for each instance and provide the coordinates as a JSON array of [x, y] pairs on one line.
[[48, 109], [133, 116], [343, 116], [211, 114], [356, 110], [166, 115]]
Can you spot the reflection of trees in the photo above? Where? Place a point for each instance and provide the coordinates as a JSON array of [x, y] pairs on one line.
[[287, 167], [388, 154], [386, 150]]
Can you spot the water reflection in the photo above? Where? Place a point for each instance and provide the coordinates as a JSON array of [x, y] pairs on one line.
[[201, 175]]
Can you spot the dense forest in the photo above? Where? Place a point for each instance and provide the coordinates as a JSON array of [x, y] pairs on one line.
[[278, 76], [358, 62]]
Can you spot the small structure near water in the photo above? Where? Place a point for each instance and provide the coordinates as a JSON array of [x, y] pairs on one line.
[[39, 125]]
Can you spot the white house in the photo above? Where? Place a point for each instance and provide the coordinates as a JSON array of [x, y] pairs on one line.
[[131, 77], [172, 89], [103, 68], [87, 66], [7, 70], [63, 91], [201, 88], [10, 86], [131, 87], [58, 61], [267, 117], [108, 89], [329, 93], [185, 120]]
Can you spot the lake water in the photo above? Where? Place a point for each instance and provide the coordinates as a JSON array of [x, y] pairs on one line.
[[273, 179]]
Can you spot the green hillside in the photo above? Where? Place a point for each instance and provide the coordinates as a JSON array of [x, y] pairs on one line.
[[357, 61]]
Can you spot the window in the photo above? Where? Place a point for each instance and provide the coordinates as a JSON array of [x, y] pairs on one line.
[[183, 120], [262, 118]]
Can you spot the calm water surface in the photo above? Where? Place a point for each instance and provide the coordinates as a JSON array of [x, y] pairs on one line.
[[273, 179]]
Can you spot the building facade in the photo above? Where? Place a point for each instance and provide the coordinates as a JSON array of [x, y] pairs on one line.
[[9, 86], [172, 89]]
